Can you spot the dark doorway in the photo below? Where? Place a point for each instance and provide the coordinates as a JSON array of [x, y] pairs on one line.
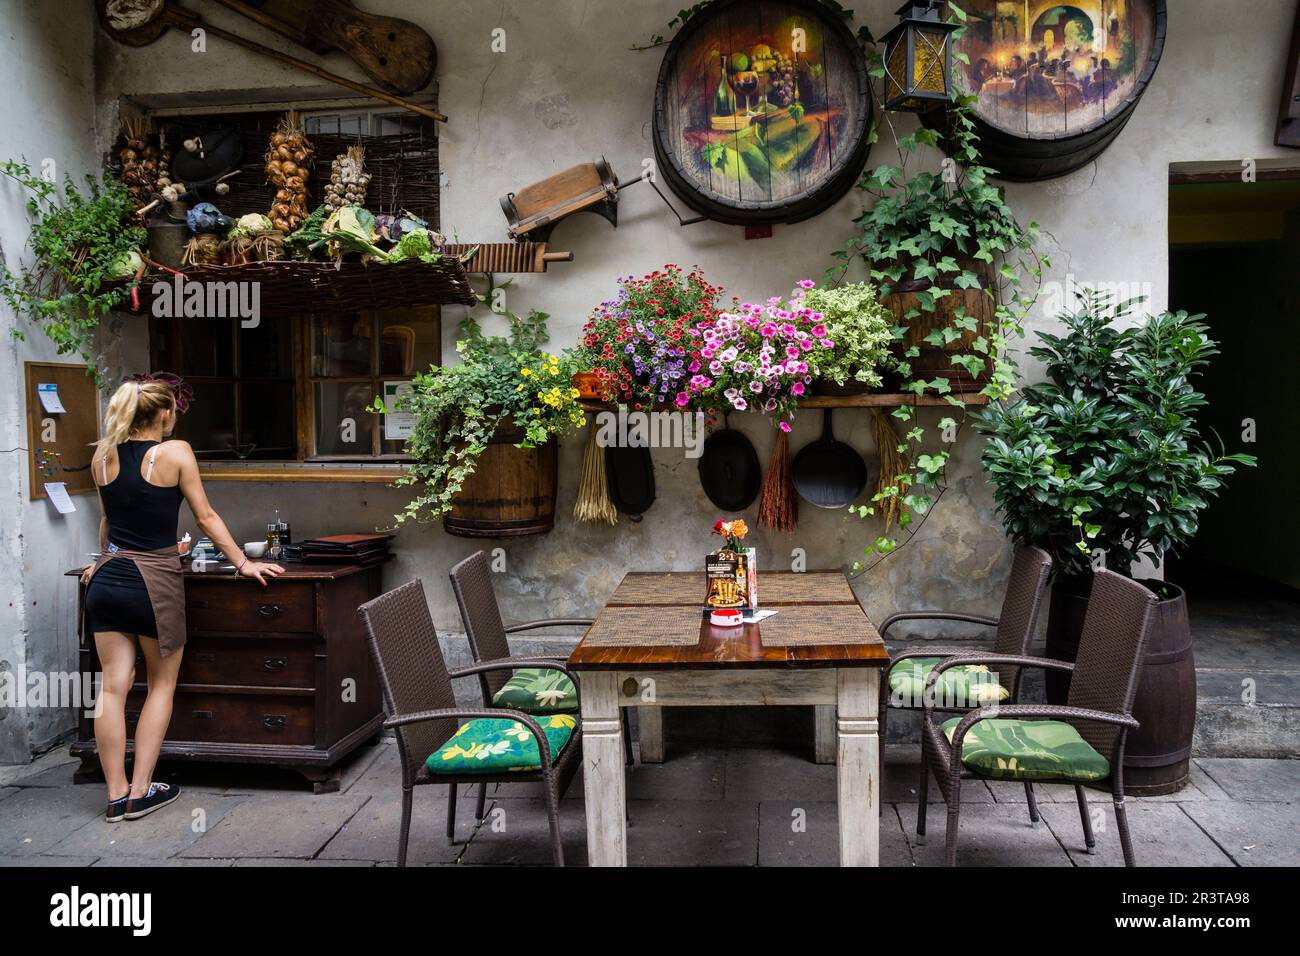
[[1234, 254]]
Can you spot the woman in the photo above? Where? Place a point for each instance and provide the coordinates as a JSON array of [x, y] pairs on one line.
[[135, 595]]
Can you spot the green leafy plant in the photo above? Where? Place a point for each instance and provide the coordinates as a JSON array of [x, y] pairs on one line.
[[501, 383], [861, 328], [1105, 455], [941, 233], [83, 244]]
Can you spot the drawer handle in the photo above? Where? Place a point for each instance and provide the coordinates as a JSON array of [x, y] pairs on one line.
[[275, 663], [274, 721], [201, 605], [201, 714], [269, 610]]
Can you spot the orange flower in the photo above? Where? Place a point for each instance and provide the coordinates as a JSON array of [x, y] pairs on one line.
[[738, 529]]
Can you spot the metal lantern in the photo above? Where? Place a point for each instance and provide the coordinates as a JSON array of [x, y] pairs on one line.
[[918, 58]]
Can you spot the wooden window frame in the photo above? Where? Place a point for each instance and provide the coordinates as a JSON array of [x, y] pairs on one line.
[[307, 464]]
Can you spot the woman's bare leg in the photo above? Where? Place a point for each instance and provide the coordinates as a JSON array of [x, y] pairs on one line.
[[117, 659], [156, 713]]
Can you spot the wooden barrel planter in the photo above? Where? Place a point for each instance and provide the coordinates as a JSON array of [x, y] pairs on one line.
[[762, 111], [936, 361], [1157, 756], [1056, 82], [511, 492]]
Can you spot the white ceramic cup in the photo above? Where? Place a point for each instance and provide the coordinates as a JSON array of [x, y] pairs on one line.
[[255, 549]]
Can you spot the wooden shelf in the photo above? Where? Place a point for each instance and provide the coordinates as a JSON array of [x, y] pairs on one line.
[[869, 400], [347, 473]]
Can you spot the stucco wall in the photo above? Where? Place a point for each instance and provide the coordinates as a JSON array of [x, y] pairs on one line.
[[47, 78], [566, 90]]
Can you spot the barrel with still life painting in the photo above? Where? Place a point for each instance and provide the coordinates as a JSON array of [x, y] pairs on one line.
[[1056, 82], [762, 111]]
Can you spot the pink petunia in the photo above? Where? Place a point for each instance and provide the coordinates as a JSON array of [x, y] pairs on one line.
[[682, 399], [784, 426], [797, 388], [806, 283]]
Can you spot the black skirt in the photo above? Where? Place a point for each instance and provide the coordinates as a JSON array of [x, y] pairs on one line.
[[117, 600]]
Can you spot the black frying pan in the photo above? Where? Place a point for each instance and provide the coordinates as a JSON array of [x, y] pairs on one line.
[[828, 473], [729, 470], [630, 476]]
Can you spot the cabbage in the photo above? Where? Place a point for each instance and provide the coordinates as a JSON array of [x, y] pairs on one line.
[[417, 244], [351, 229]]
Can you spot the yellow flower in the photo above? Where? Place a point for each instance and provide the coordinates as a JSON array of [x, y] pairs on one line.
[[526, 371]]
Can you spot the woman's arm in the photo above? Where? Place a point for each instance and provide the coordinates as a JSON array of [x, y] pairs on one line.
[[210, 522]]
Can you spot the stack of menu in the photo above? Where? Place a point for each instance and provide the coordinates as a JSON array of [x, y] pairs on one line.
[[362, 549]]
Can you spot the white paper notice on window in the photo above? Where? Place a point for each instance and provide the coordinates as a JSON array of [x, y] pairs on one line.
[[49, 396], [57, 492], [398, 425]]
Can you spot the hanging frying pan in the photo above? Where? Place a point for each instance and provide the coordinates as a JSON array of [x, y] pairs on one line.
[[729, 470], [828, 473], [630, 473], [141, 22]]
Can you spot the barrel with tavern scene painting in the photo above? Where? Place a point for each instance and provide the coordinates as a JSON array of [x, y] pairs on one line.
[[762, 111], [1056, 81]]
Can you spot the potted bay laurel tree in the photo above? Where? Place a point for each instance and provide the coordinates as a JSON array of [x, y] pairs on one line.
[[1102, 464], [483, 445]]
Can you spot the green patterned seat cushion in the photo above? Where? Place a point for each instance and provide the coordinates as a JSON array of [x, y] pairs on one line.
[[966, 685], [538, 690], [1029, 750], [496, 744]]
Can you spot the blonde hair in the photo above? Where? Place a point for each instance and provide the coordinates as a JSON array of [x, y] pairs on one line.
[[134, 405]]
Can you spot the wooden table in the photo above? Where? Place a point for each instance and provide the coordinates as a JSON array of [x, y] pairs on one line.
[[650, 647], [776, 589]]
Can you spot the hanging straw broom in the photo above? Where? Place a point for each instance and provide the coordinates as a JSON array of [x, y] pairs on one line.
[[778, 508], [894, 467], [593, 504]]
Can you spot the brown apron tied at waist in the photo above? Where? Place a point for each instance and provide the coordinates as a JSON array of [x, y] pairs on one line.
[[165, 583]]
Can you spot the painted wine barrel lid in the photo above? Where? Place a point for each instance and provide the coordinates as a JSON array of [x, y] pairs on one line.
[[762, 111], [1056, 81]]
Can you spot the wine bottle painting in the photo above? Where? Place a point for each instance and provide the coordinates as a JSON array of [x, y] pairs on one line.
[[761, 102]]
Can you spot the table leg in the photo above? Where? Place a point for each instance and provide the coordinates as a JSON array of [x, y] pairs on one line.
[[824, 734], [650, 731], [858, 775], [603, 781]]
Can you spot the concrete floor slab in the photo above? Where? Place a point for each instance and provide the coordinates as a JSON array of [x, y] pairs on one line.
[[1273, 781], [1162, 834], [1256, 834], [371, 834], [754, 774], [280, 825], [808, 834], [162, 834], [517, 832], [36, 818], [996, 834]]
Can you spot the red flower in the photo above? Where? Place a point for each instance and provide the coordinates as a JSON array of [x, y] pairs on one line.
[[717, 526]]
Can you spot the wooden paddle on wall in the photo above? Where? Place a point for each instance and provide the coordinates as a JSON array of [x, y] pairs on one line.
[[141, 22], [394, 53]]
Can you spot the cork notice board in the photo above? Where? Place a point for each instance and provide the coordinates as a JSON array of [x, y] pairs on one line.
[[60, 445]]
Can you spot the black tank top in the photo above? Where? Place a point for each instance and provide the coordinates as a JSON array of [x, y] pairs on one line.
[[141, 516]]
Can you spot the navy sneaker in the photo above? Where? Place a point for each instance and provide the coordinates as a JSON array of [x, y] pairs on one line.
[[117, 808], [159, 795]]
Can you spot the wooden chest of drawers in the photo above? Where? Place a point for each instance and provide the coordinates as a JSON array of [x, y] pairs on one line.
[[271, 675]]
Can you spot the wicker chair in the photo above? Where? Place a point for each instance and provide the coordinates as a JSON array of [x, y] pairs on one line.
[[1030, 568], [471, 580], [421, 707], [1102, 685]]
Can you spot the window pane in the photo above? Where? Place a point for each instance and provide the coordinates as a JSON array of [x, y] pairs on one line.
[[266, 350], [267, 420], [209, 425], [207, 347], [408, 341], [340, 345], [343, 426]]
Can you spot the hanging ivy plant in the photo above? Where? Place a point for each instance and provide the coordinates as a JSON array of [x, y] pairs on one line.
[[942, 233], [83, 244]]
